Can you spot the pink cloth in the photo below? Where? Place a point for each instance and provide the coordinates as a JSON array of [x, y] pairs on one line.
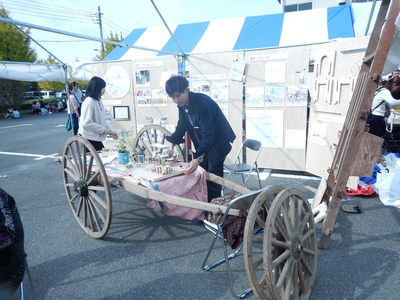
[[192, 186]]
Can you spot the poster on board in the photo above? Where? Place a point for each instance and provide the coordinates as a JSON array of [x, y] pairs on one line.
[[219, 91], [159, 97], [142, 78], [295, 139], [275, 72], [265, 126], [275, 96], [143, 98], [201, 87], [254, 97], [297, 96]]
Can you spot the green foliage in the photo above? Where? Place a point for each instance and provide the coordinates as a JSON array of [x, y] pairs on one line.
[[51, 85], [109, 47], [121, 146], [14, 46]]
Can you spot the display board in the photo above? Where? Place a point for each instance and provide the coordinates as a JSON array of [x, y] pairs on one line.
[[336, 69]]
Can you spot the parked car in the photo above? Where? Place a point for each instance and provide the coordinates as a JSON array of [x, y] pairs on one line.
[[47, 94], [32, 95], [60, 95]]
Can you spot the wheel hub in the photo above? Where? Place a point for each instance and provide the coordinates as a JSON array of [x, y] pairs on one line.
[[81, 188], [296, 248]]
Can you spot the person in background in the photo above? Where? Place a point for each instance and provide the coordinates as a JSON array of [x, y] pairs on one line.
[[72, 108], [78, 93], [202, 118], [93, 125], [385, 96]]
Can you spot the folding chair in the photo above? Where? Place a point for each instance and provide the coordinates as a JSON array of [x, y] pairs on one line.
[[241, 167], [241, 202]]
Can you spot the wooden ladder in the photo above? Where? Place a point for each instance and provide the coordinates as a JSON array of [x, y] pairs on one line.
[[357, 149]]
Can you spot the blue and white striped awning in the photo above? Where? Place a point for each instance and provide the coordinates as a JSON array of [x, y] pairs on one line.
[[257, 32]]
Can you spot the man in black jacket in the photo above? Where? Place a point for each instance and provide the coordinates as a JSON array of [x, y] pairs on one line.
[[207, 126]]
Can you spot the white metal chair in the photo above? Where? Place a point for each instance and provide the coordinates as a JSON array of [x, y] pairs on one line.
[[240, 166]]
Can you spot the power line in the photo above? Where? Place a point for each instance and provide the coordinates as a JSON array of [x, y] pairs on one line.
[[115, 25], [35, 11], [49, 7]]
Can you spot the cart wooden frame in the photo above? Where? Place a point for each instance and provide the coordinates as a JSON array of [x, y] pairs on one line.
[[280, 250]]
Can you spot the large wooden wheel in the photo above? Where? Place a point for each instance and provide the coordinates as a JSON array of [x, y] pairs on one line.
[[253, 241], [150, 136], [87, 186], [290, 247]]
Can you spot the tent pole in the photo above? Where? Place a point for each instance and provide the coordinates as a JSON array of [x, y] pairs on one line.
[[86, 37], [169, 30], [37, 43]]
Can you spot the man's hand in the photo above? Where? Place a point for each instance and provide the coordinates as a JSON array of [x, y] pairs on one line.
[[194, 164], [114, 136]]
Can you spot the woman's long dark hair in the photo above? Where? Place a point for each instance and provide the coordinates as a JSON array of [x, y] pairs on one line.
[[96, 84]]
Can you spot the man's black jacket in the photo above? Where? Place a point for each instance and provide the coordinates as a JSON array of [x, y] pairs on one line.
[[207, 126]]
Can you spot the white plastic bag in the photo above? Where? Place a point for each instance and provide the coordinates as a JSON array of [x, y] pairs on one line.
[[388, 182]]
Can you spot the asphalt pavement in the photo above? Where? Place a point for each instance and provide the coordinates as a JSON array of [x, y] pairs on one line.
[[149, 256]]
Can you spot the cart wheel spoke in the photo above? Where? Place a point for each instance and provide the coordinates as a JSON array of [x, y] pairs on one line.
[[309, 252], [257, 240], [260, 222], [73, 167], [295, 280], [96, 188], [253, 244], [89, 185], [304, 222], [290, 260], [93, 214], [151, 134], [98, 199], [307, 235], [74, 158], [280, 244], [98, 210], [89, 168], [93, 176]]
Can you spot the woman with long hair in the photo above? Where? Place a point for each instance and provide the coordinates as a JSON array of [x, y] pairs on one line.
[[93, 125]]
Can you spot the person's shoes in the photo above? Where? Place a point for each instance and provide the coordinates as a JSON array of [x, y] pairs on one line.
[[351, 208]]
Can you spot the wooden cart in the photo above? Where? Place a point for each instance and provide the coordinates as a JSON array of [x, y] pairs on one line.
[[280, 244]]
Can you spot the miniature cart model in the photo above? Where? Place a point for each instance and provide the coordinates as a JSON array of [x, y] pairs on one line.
[[280, 245]]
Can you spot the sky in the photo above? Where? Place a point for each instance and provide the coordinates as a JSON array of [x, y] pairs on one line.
[[118, 16]]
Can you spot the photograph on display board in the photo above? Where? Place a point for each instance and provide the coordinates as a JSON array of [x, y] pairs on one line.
[[274, 95], [143, 78], [255, 97], [219, 92], [143, 98], [295, 139], [297, 95], [201, 87], [265, 126], [275, 72], [159, 97]]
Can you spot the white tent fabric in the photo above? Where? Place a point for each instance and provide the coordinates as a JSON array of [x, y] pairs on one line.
[[84, 70], [31, 71]]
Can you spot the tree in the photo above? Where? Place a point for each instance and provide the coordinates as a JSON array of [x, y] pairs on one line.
[[109, 47], [14, 46]]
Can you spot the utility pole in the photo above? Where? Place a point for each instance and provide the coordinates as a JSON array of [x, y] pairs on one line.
[[101, 28]]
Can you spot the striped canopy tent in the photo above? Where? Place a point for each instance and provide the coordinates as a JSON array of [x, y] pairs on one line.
[[256, 32]]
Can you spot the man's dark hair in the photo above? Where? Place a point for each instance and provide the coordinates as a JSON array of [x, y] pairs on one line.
[[176, 84], [70, 87], [96, 84]]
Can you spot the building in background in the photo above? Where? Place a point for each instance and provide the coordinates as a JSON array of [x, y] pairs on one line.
[[297, 5]]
